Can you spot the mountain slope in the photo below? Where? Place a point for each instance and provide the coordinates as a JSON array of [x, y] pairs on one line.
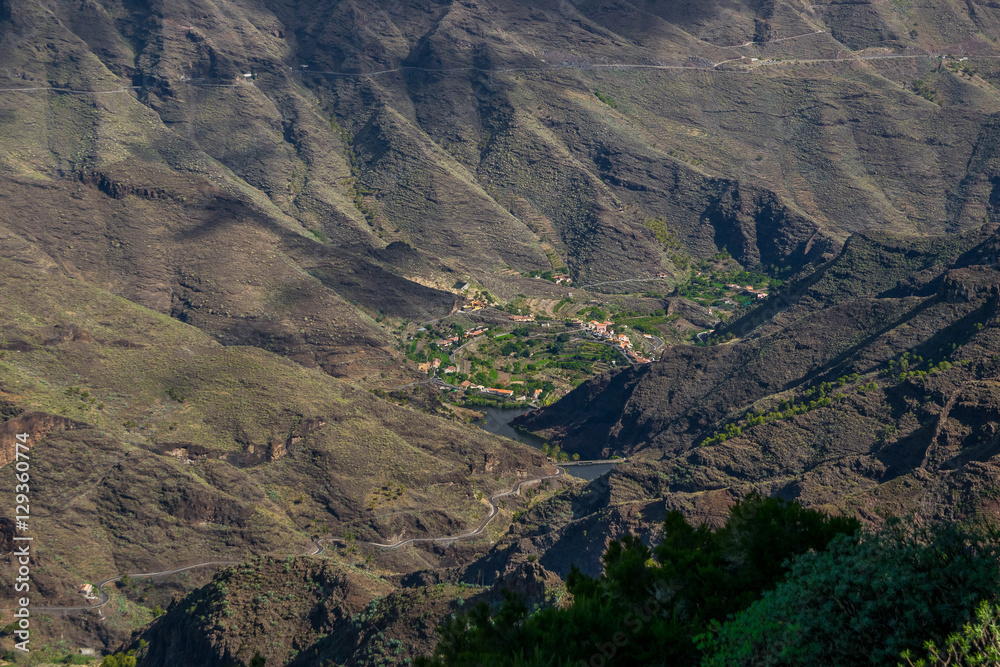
[[153, 447], [867, 387]]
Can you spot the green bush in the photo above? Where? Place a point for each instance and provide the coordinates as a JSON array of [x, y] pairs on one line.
[[863, 600], [978, 643], [649, 603], [119, 660]]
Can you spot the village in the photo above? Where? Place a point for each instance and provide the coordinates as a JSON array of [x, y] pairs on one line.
[[528, 351], [451, 372], [523, 358]]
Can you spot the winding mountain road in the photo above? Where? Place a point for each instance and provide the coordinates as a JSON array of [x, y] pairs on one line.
[[105, 598], [494, 510]]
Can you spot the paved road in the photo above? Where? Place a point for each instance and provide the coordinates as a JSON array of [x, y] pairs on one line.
[[317, 550], [593, 462], [788, 60], [494, 510], [105, 598]]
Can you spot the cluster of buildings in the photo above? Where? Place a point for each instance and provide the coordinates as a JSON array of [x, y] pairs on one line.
[[748, 289], [448, 342], [522, 318], [557, 278], [496, 391], [506, 393], [473, 305], [621, 341]]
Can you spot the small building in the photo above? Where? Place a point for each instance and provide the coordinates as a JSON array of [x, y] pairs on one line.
[[465, 384], [599, 327], [451, 369], [436, 363], [474, 305]]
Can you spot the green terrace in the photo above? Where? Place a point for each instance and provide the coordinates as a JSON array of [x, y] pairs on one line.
[[548, 355], [710, 282]]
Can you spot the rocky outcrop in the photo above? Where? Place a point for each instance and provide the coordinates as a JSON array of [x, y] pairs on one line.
[[971, 283], [117, 189], [756, 228], [68, 334], [861, 380], [37, 425]]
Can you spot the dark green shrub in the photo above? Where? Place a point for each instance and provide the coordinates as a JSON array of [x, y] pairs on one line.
[[863, 600]]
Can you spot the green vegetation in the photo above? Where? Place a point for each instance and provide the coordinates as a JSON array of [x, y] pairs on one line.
[[776, 585], [820, 396], [554, 452], [593, 313], [607, 99], [120, 660], [562, 302], [920, 87], [545, 355], [707, 286], [977, 643], [864, 600], [650, 603], [666, 236], [905, 367], [813, 399], [110, 189], [643, 323]]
